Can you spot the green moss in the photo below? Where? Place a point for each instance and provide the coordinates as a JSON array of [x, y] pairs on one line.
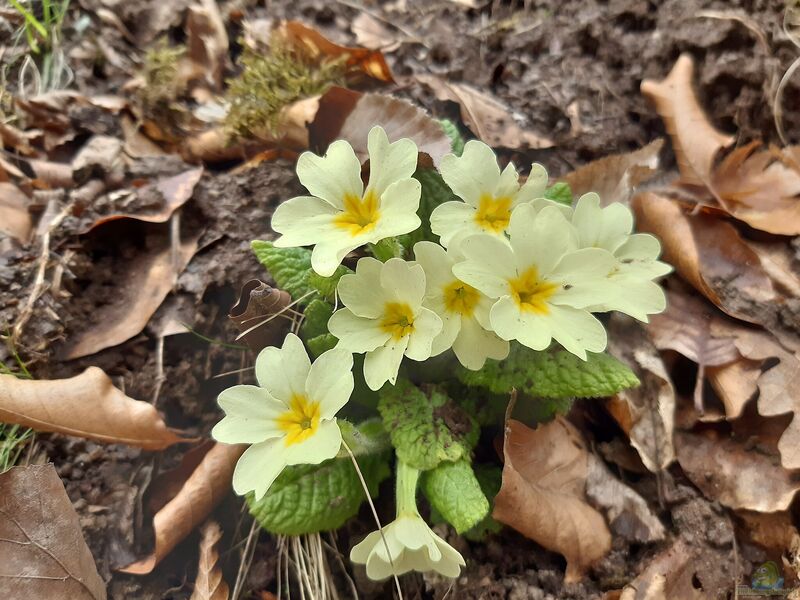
[[157, 97], [270, 81]]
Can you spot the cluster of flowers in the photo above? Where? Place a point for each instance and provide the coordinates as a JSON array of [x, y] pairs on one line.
[[510, 265]]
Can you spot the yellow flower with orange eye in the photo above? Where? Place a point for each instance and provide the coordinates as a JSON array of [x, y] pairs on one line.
[[384, 317], [489, 195], [290, 417], [341, 215]]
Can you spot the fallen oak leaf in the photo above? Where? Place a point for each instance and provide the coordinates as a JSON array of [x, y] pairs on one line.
[[695, 141], [205, 488], [616, 176], [734, 474], [485, 115], [209, 584], [41, 542], [88, 406], [347, 115], [543, 493], [149, 278], [256, 304], [15, 221], [373, 34]]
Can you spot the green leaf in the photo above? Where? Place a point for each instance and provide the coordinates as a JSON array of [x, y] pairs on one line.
[[289, 267], [326, 286], [490, 478], [316, 318], [453, 489], [560, 192], [391, 247], [434, 192], [452, 131], [426, 428], [313, 498], [549, 374], [321, 343]]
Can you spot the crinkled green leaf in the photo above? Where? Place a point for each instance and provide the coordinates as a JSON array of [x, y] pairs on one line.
[[316, 318], [560, 192], [553, 374], [453, 489], [313, 498], [434, 192], [490, 477], [326, 286], [289, 267], [425, 428], [452, 131], [321, 343]]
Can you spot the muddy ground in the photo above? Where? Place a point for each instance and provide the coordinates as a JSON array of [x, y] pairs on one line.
[[572, 74]]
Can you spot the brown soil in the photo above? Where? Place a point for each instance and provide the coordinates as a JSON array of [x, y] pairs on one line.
[[594, 53]]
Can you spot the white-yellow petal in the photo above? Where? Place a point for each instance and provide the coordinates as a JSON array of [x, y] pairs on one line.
[[325, 443], [577, 331], [398, 210], [510, 324], [330, 381], [540, 239], [474, 345], [301, 220], [427, 325], [451, 327], [383, 363], [258, 468], [472, 174], [283, 371], [250, 413], [389, 163], [436, 262], [361, 292], [403, 281], [334, 176], [535, 185], [450, 218], [355, 333]]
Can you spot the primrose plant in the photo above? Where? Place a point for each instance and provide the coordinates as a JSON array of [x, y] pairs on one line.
[[469, 284]]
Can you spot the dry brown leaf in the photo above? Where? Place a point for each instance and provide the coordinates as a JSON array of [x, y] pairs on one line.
[[735, 384], [209, 584], [695, 141], [17, 139], [485, 115], [735, 474], [616, 176], [772, 531], [207, 486], [137, 144], [257, 302], [781, 264], [759, 189], [99, 158], [710, 255], [363, 60], [206, 43], [373, 34], [347, 115], [146, 280], [15, 221], [43, 551], [543, 493], [88, 406], [160, 198], [646, 413]]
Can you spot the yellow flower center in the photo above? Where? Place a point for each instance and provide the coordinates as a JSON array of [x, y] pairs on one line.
[[398, 319], [531, 292], [493, 213], [461, 298], [301, 421], [359, 214]]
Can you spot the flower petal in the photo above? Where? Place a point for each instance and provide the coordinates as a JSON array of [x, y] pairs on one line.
[[283, 371], [324, 444], [489, 264], [473, 173], [357, 334], [540, 239], [577, 330], [300, 221], [333, 176], [510, 324], [403, 281], [635, 297], [389, 163], [382, 364], [474, 345], [535, 185], [427, 325], [361, 292], [601, 227], [451, 326], [449, 218], [361, 551], [437, 264], [258, 467], [329, 252], [250, 414], [330, 381], [399, 206], [508, 184]]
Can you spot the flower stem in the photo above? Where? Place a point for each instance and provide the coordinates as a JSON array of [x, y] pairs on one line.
[[387, 248], [406, 493]]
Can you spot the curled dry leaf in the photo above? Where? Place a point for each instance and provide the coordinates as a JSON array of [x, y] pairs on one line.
[[43, 551], [616, 176], [206, 43], [160, 199], [772, 531], [88, 406], [348, 115], [543, 494], [373, 34], [485, 115], [645, 413], [359, 60], [759, 189], [735, 474], [209, 584], [695, 141], [148, 278], [205, 488], [15, 221], [251, 314], [710, 255]]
